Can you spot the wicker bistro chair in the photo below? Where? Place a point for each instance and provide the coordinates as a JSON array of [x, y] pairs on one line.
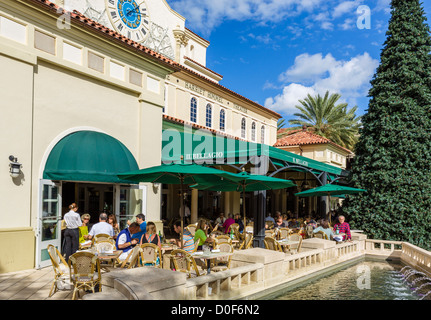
[[101, 237], [238, 235], [283, 233], [151, 255], [223, 238], [272, 244], [223, 263], [184, 262], [192, 228], [321, 235], [132, 259], [61, 271], [247, 242], [269, 233], [104, 245], [83, 274], [295, 248]]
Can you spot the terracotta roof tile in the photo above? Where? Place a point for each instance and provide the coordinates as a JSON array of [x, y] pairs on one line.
[[197, 126], [303, 137]]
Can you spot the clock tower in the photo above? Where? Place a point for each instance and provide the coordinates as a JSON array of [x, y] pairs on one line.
[[153, 24], [133, 19]]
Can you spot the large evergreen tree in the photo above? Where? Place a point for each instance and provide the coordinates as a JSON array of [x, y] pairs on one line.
[[393, 154]]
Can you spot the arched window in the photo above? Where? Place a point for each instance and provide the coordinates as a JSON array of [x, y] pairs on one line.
[[253, 131], [262, 135], [193, 110], [209, 115], [243, 128], [222, 119]]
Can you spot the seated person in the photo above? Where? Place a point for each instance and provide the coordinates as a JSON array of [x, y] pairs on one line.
[[151, 235], [279, 222], [140, 219], [228, 222], [201, 234], [293, 223], [188, 240], [220, 220], [324, 226], [83, 230], [125, 241], [269, 219], [310, 221], [102, 227], [343, 227], [112, 220], [240, 222]]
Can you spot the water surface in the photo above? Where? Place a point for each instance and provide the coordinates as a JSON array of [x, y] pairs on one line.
[[366, 280]]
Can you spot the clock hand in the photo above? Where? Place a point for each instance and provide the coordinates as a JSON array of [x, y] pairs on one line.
[[136, 10]]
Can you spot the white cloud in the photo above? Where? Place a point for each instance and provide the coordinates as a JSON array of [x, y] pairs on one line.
[[317, 74], [345, 7], [308, 68], [286, 101], [205, 15]]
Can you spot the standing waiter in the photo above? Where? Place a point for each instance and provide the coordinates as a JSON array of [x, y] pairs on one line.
[[71, 234]]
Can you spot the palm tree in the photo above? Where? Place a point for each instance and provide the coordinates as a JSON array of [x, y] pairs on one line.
[[330, 120]]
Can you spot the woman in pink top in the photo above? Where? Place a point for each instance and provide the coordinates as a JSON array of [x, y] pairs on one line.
[[230, 220]]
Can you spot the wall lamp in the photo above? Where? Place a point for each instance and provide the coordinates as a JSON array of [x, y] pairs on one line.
[[14, 167]]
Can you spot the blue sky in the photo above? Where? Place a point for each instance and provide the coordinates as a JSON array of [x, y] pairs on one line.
[[274, 52]]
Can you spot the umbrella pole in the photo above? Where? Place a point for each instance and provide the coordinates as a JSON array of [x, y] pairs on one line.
[[182, 212], [243, 206]]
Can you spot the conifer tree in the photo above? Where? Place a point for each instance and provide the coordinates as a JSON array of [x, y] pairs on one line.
[[393, 153]]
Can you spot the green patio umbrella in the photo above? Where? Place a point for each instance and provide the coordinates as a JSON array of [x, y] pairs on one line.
[[328, 190], [182, 174], [247, 182]]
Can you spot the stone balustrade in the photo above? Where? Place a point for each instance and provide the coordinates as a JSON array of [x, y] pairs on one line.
[[256, 272]]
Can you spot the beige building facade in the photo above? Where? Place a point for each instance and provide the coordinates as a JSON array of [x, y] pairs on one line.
[[76, 80], [61, 76]]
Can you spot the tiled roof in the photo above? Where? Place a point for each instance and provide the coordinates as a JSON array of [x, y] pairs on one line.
[[303, 137], [202, 66], [79, 18]]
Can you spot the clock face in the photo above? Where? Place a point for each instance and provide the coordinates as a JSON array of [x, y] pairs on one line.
[[130, 18]]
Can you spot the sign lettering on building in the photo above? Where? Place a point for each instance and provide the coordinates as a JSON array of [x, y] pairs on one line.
[[239, 108], [202, 92]]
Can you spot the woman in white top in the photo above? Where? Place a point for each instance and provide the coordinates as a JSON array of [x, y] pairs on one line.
[[71, 234], [324, 226]]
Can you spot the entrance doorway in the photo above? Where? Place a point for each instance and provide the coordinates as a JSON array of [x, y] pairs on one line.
[[91, 198]]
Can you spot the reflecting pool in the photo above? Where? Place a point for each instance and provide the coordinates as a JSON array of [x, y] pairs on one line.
[[366, 280]]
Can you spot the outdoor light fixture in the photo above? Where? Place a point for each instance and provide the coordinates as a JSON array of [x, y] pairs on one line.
[[14, 167]]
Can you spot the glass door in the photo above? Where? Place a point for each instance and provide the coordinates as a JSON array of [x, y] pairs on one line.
[[129, 201], [49, 226]]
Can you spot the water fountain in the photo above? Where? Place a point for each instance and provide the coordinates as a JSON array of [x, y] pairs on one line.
[[414, 278]]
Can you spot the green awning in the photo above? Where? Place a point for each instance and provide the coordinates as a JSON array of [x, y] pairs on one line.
[[203, 147], [89, 156]]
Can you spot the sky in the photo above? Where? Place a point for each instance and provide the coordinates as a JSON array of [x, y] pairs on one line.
[[275, 52]]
